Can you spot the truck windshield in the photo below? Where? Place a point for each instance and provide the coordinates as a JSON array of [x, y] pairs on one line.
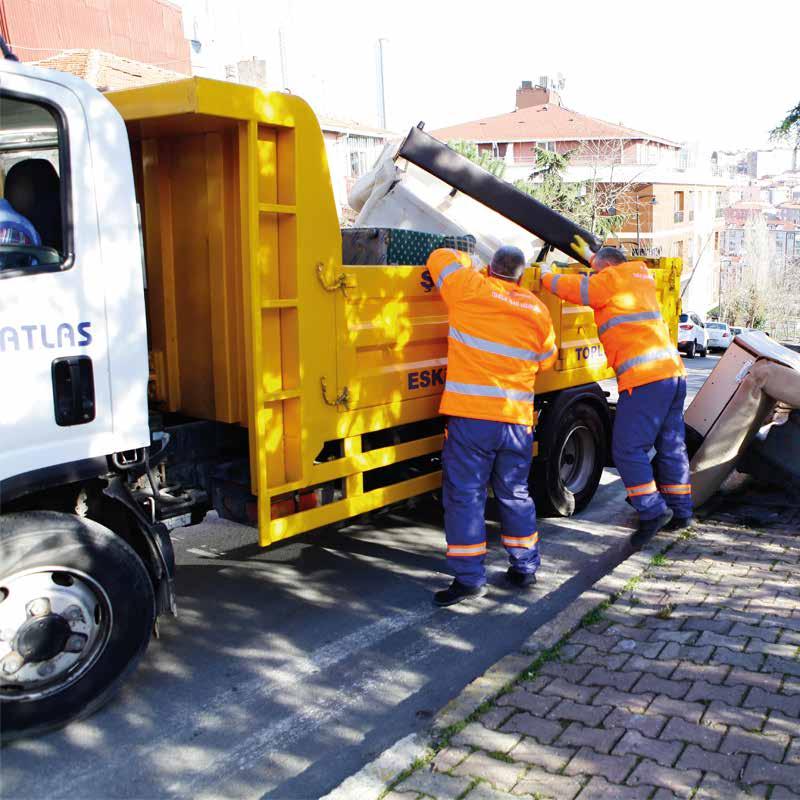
[[31, 230]]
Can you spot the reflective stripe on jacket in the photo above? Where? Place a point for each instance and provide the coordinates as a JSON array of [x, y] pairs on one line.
[[629, 323], [500, 336]]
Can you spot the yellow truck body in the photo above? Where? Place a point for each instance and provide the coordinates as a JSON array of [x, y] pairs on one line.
[[255, 321]]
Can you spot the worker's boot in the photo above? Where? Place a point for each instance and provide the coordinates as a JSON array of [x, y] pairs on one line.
[[456, 592], [650, 527], [521, 580], [680, 523]]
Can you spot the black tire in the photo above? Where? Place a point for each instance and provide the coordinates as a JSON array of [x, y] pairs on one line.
[[704, 352], [690, 349], [564, 482], [48, 539]]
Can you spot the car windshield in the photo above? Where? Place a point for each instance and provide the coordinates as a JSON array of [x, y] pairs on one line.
[[684, 318], [720, 326]]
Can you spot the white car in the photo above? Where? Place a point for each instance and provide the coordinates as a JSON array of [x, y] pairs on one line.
[[719, 335], [692, 337]]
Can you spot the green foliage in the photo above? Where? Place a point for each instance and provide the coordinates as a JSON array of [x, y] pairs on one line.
[[494, 166], [789, 127], [658, 560]]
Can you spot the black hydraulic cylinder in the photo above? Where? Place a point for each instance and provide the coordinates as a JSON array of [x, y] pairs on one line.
[[443, 162]]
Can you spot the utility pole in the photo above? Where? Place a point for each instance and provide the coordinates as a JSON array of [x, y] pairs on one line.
[[282, 50], [381, 87]]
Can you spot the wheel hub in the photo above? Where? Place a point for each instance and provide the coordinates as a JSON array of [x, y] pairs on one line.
[[577, 458], [42, 638], [54, 624]]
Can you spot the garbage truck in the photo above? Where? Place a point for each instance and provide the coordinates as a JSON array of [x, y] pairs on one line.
[[186, 338]]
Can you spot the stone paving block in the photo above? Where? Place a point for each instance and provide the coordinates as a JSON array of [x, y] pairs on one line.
[[588, 762], [578, 712], [740, 741], [535, 685], [450, 757], [535, 703], [760, 770], [627, 700], [668, 686], [436, 784], [693, 610], [571, 672], [706, 692], [735, 643], [485, 792], [539, 782], [630, 632], [542, 755], [757, 631], [393, 795], [771, 648], [495, 717], [500, 774], [600, 642], [570, 691], [723, 655], [600, 676], [728, 766], [663, 752], [600, 739], [659, 666], [743, 617], [722, 714], [691, 712], [712, 787], [600, 789], [475, 735], [785, 665], [778, 722], [702, 624], [792, 756], [758, 698], [782, 793], [683, 731], [593, 657], [636, 648], [543, 730], [679, 781], [713, 673], [569, 651], [657, 623], [790, 637], [650, 724], [679, 637], [745, 677], [687, 652]]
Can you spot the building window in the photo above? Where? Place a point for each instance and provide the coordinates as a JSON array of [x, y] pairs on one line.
[[361, 154], [678, 206]]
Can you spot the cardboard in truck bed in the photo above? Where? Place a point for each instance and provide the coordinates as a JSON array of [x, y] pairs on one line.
[[754, 374]]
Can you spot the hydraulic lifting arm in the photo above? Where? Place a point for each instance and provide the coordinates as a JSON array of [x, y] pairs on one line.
[[443, 162]]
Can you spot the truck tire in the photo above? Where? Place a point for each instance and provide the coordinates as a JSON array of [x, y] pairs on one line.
[[77, 609], [565, 481]]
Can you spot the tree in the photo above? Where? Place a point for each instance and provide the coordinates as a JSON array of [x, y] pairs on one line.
[[789, 130], [493, 165]]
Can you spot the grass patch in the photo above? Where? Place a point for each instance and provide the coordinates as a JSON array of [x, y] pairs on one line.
[[658, 560], [498, 756], [473, 784], [665, 612], [417, 763], [631, 584], [595, 615]]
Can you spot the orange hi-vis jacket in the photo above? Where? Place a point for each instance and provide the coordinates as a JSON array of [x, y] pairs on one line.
[[500, 336], [633, 333]]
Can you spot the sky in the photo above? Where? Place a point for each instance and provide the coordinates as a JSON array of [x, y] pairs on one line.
[[721, 72]]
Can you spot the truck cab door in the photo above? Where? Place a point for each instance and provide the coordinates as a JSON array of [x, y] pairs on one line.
[[59, 324]]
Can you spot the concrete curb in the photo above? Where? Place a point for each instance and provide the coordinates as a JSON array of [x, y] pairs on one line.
[[372, 779]]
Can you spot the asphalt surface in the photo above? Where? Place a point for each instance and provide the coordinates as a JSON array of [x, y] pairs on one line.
[[290, 668]]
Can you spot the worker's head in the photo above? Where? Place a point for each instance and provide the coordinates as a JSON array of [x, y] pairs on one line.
[[508, 263], [607, 257]]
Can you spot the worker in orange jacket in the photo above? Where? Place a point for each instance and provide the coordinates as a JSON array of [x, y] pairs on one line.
[[651, 382], [500, 336]]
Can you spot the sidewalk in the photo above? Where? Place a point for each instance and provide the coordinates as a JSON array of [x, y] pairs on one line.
[[685, 683]]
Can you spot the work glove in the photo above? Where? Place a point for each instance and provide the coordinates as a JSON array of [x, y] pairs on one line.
[[427, 280], [580, 246], [544, 268]]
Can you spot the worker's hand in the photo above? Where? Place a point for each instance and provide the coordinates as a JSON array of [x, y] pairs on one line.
[[427, 280], [544, 268], [581, 248]]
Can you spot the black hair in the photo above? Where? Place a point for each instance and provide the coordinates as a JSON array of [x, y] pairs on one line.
[[508, 263], [609, 256]]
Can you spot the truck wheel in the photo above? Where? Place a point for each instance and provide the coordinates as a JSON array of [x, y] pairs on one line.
[[77, 608], [565, 481], [690, 349]]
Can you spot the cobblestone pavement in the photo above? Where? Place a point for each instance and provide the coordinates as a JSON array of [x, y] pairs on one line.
[[688, 685]]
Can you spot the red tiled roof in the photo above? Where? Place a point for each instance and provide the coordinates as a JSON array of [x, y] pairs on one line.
[[106, 71], [546, 122]]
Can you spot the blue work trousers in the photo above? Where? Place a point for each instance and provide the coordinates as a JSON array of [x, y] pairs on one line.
[[651, 416], [476, 453]]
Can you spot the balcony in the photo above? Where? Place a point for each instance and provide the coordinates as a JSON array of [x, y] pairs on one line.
[[691, 216], [678, 216]]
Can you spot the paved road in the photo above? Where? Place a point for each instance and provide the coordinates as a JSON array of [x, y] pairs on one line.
[[290, 668]]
